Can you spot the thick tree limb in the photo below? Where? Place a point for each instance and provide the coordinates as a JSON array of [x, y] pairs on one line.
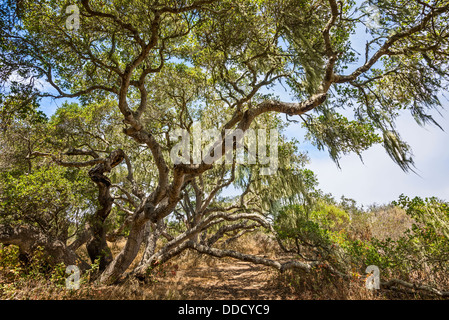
[[221, 253], [28, 239], [397, 282]]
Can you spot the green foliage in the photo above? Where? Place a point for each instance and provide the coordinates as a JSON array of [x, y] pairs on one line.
[[17, 270], [311, 234], [16, 266], [323, 215], [425, 246], [340, 135], [50, 198], [215, 57], [421, 252]]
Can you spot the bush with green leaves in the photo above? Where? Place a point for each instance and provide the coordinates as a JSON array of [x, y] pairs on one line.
[[424, 248], [50, 198], [37, 267], [420, 254], [311, 234]]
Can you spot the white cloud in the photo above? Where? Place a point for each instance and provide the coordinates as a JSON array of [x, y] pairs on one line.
[[40, 84]]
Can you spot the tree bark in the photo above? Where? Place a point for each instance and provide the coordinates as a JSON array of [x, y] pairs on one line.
[[28, 238], [97, 246], [123, 260]]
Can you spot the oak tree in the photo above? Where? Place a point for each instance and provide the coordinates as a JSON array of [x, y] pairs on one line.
[[140, 70]]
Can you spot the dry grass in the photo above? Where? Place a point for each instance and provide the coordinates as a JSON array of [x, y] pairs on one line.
[[195, 276], [389, 222], [188, 276]]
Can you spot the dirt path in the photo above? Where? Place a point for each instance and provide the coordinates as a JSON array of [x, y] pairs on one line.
[[227, 280]]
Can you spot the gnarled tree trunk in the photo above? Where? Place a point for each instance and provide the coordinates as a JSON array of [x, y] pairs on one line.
[[28, 238], [97, 246]]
